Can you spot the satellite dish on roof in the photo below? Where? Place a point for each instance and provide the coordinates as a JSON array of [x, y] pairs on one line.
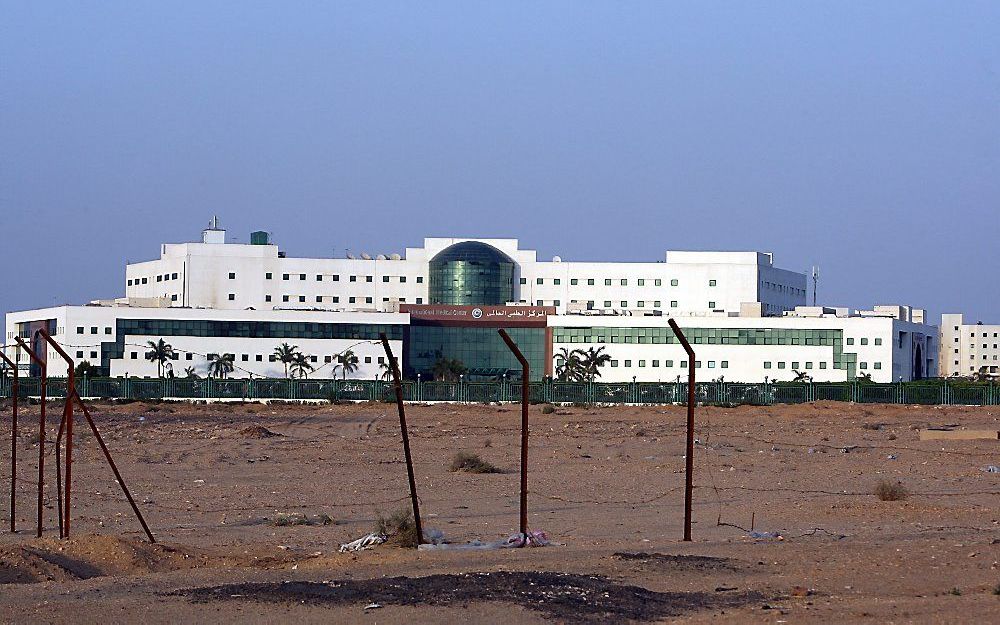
[[556, 259], [365, 256], [395, 257], [380, 257], [351, 256]]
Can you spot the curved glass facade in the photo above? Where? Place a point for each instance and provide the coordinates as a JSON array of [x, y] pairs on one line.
[[470, 274]]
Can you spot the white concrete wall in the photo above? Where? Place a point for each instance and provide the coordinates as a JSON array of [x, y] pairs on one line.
[[98, 326], [198, 275], [967, 348]]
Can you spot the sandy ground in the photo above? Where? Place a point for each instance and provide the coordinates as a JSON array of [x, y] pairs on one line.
[[605, 484]]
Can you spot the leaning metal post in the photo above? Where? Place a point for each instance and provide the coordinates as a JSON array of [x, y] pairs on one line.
[[13, 443], [68, 420], [525, 399], [394, 367], [41, 428], [689, 456]]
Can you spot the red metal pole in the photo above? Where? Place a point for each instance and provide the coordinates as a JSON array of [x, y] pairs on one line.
[[689, 456], [394, 367], [41, 429], [13, 444], [68, 419], [525, 400]]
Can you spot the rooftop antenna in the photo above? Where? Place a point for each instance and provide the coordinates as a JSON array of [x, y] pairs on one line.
[[815, 276]]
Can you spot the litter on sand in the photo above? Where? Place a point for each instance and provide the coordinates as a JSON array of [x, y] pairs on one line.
[[992, 469], [365, 542], [766, 535], [535, 538]]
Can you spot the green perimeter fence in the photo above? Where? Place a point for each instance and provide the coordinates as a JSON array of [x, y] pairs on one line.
[[929, 392]]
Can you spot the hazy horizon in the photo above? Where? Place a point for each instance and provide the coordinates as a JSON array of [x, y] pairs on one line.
[[862, 138]]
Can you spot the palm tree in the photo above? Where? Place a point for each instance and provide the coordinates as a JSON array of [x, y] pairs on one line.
[[386, 370], [801, 376], [593, 359], [85, 370], [348, 362], [190, 374], [448, 370], [160, 352], [301, 365], [286, 354], [222, 365], [570, 368]]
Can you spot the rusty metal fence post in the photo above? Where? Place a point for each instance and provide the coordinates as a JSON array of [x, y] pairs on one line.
[[41, 427], [13, 443], [397, 382], [525, 400], [689, 455]]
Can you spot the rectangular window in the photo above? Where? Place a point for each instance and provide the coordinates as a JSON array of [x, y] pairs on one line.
[[640, 304], [781, 365], [232, 297], [135, 355], [79, 353], [420, 279], [614, 363], [624, 304], [402, 279], [590, 282], [641, 282], [145, 280], [555, 302], [878, 365], [336, 299], [607, 303], [657, 282], [302, 276], [822, 365], [284, 298], [539, 303], [864, 341], [302, 298], [607, 282], [173, 276], [656, 363], [674, 282], [624, 282], [524, 281], [711, 305], [670, 363], [556, 281], [93, 329], [284, 276], [850, 341], [538, 280], [684, 364], [712, 283], [159, 278], [574, 281], [93, 354], [268, 275], [862, 365], [420, 300], [352, 300], [130, 283], [767, 364], [232, 275], [809, 365], [725, 364], [267, 298], [319, 299], [319, 277], [642, 363], [656, 304], [354, 278], [878, 341], [79, 329], [245, 357], [368, 300], [336, 277], [673, 303], [385, 278], [368, 278], [628, 363], [795, 364]]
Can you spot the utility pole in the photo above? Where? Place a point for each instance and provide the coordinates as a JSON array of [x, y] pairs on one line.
[[815, 276]]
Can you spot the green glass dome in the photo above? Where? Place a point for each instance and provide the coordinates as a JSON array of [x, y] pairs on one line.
[[471, 273]]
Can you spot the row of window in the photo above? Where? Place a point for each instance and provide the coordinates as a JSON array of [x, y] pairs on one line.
[[93, 329], [335, 299], [864, 341], [724, 364], [245, 357], [333, 277], [159, 278], [782, 288], [707, 336], [611, 282]]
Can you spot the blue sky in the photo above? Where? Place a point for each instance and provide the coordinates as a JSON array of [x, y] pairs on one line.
[[861, 137]]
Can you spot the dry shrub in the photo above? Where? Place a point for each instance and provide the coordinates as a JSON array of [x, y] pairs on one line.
[[398, 527], [472, 463], [548, 409], [891, 491]]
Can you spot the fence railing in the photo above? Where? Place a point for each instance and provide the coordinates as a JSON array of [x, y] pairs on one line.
[[728, 393]]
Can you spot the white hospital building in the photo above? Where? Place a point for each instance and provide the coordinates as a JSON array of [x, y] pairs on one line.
[[968, 348], [746, 318]]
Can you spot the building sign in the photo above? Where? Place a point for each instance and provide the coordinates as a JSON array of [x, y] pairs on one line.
[[522, 316]]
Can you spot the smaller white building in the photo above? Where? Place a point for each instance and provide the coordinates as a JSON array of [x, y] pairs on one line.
[[889, 343], [114, 337], [968, 349]]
